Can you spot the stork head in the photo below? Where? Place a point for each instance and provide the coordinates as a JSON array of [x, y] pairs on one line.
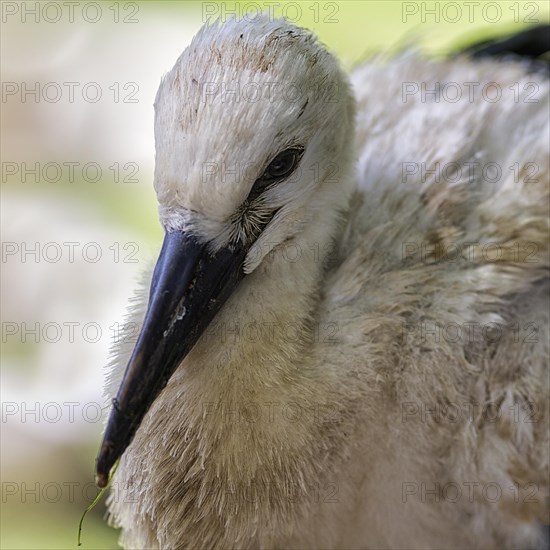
[[253, 131]]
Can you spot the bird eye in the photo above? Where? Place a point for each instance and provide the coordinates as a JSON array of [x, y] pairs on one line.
[[283, 164], [280, 167]]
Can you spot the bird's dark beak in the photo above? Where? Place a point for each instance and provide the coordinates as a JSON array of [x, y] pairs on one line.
[[188, 288]]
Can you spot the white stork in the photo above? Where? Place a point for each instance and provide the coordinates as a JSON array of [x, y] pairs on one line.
[[345, 340]]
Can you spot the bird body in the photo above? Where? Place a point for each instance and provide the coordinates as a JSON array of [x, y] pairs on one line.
[[379, 378]]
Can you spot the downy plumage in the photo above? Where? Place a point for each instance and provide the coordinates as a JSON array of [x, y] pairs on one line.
[[379, 377]]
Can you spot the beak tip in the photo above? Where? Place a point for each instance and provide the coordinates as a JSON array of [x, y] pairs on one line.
[[101, 480], [105, 460]]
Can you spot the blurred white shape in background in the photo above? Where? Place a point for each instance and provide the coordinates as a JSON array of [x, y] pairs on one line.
[[123, 61], [60, 306]]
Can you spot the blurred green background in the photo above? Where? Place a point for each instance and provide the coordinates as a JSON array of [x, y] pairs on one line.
[[52, 375]]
